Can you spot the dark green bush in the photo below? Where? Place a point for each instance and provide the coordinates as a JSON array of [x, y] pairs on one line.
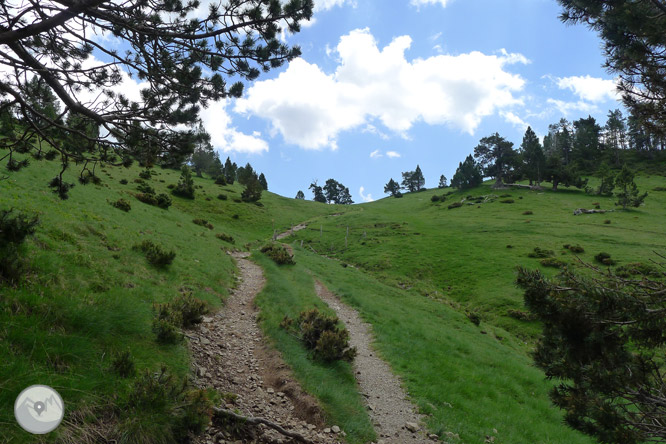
[[659, 189], [163, 200], [225, 237], [222, 196], [185, 186], [455, 205], [474, 318], [521, 315], [160, 405], [145, 174], [155, 254], [278, 253], [321, 335], [145, 188], [123, 181], [434, 198], [637, 269], [507, 201], [147, 198], [541, 253], [171, 186], [607, 221], [505, 195], [139, 181], [122, 204], [527, 213], [237, 200], [122, 364], [14, 229], [203, 223], [219, 180], [604, 258], [574, 248], [552, 262]]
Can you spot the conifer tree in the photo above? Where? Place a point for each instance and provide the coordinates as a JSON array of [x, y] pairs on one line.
[[229, 171], [468, 174], [393, 188], [262, 182], [626, 190], [496, 156], [442, 181], [300, 195], [318, 192], [533, 158]]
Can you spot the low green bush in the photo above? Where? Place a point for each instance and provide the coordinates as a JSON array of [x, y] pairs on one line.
[[219, 180], [145, 188], [203, 223], [222, 196], [574, 248], [225, 237], [278, 253], [123, 181], [155, 254], [604, 258], [122, 364], [552, 262], [507, 201], [14, 229], [521, 315], [145, 174], [637, 269], [455, 205], [474, 318], [541, 253], [321, 335], [527, 213], [122, 204]]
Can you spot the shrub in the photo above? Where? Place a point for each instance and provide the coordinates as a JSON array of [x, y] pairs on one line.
[[541, 253], [147, 198], [155, 254], [203, 223], [191, 309], [505, 195], [123, 181], [434, 198], [219, 180], [527, 213], [507, 201], [163, 200], [185, 186], [521, 315], [552, 262], [122, 204], [162, 408], [171, 186], [14, 229], [122, 364], [604, 258], [455, 205], [237, 200], [145, 188], [222, 196], [474, 318], [607, 221], [225, 237], [659, 189], [321, 335], [252, 191], [139, 181], [636, 269], [145, 174], [574, 248], [278, 253]]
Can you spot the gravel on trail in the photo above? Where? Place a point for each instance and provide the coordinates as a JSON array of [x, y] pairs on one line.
[[229, 354]]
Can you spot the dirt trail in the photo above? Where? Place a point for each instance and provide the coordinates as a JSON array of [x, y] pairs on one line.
[[229, 354], [392, 413], [291, 231]]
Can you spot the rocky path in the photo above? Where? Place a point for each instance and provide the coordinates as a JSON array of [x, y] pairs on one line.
[[393, 415], [288, 233], [229, 354]]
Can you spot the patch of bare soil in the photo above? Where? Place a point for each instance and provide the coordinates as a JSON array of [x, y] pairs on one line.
[[229, 354], [393, 415]]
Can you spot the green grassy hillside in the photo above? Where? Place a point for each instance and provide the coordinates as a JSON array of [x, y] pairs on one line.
[[417, 268], [89, 296]]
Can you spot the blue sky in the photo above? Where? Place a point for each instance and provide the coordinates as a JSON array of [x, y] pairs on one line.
[[385, 85]]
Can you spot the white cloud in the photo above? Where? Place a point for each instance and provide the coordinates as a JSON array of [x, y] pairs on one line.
[[514, 119], [419, 3], [376, 154], [591, 89], [365, 197], [393, 154], [568, 108], [310, 108], [225, 137], [324, 5]]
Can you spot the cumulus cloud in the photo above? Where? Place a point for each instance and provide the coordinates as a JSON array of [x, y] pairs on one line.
[[514, 119], [324, 5], [568, 108], [393, 154], [365, 197], [309, 107], [376, 154], [591, 89], [224, 136]]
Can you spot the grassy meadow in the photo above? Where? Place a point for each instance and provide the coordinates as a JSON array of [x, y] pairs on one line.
[[412, 267]]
